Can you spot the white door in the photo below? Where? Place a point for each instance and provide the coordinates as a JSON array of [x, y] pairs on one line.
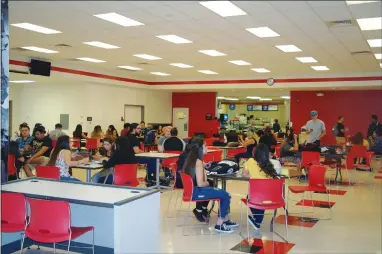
[[180, 121], [133, 114]]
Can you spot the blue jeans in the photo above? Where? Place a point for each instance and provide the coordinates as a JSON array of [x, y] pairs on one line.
[[317, 142], [109, 180], [65, 178], [258, 215], [245, 155], [151, 166], [203, 193]]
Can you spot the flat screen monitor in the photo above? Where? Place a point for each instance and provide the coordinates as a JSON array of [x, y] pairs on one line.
[[224, 117], [38, 67]]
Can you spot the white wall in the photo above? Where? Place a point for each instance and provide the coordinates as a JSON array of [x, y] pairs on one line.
[[43, 103]]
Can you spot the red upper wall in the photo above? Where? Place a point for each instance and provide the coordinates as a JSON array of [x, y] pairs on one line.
[[199, 105], [356, 106]]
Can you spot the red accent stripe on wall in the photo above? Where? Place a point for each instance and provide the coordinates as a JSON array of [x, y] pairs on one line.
[[254, 103], [203, 82]]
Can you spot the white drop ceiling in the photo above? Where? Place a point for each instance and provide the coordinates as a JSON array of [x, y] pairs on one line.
[[299, 23]]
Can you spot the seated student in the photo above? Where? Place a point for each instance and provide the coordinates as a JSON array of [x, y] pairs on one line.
[[259, 167], [19, 158], [377, 143], [289, 151], [78, 134], [18, 134], [34, 128], [166, 134], [61, 157], [97, 132], [249, 143], [358, 139], [193, 166], [123, 154], [41, 147], [303, 136], [104, 153], [258, 135], [160, 130], [111, 133], [268, 139], [173, 143], [126, 129], [57, 132], [24, 140]]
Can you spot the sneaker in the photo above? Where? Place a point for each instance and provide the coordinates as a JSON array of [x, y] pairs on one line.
[[231, 224], [198, 215], [252, 221], [223, 229], [205, 215]]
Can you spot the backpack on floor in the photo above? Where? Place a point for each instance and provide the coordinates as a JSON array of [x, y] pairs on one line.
[[149, 138], [226, 166]]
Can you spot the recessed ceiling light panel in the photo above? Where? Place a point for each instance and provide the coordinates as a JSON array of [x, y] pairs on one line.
[[101, 45], [375, 43], [42, 50], [174, 39], [239, 62], [36, 28], [147, 57], [21, 81], [262, 32], [160, 73], [285, 97], [307, 59], [132, 68], [253, 97], [211, 52], [92, 60], [378, 56], [368, 24], [181, 65], [118, 19], [207, 72], [320, 68], [359, 2], [223, 8], [288, 48], [265, 99], [260, 70]]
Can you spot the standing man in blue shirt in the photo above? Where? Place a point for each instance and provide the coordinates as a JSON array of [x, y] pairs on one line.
[[315, 129]]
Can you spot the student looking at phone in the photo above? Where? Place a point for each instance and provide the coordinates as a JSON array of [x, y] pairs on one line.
[[315, 128]]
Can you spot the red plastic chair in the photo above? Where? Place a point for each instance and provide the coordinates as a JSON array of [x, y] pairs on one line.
[[231, 153], [188, 189], [50, 222], [278, 151], [267, 194], [54, 142], [125, 175], [316, 184], [218, 155], [76, 143], [51, 172], [13, 212], [12, 170], [91, 143], [367, 156], [209, 157]]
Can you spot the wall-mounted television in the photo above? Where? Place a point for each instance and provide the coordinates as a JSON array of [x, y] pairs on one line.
[[223, 117]]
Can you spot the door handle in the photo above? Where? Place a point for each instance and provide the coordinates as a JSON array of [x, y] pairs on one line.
[[185, 126]]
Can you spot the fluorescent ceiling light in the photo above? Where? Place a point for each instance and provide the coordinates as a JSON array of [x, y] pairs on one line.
[[320, 68], [260, 70], [36, 28], [231, 99], [380, 65], [174, 39], [359, 2], [21, 81], [42, 50], [132, 68], [285, 97], [219, 97], [207, 72], [262, 32], [160, 73], [307, 59], [223, 8], [101, 45], [239, 62], [378, 56], [88, 59], [370, 23], [375, 43], [118, 19], [181, 65], [265, 99], [288, 48], [253, 97], [147, 57], [211, 52]]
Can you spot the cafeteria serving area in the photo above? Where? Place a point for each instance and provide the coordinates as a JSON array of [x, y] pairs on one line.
[[191, 127]]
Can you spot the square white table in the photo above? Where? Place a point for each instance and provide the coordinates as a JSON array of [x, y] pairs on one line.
[[126, 220], [89, 167], [158, 157]]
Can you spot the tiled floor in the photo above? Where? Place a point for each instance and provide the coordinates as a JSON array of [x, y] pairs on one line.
[[355, 228]]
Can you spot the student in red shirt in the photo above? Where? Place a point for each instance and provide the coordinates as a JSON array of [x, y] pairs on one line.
[[126, 128]]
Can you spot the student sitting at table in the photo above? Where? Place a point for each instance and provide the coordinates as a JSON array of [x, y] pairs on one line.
[[104, 153], [24, 140], [78, 134], [259, 167], [61, 157], [249, 143], [194, 167], [268, 139], [111, 133], [289, 151], [376, 143], [41, 146], [97, 132], [126, 129], [124, 154], [166, 133]]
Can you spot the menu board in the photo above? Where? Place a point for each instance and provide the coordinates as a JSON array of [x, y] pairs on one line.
[[262, 107], [257, 108], [273, 107]]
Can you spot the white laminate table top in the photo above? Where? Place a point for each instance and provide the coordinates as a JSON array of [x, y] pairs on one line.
[[157, 155], [89, 165], [72, 191]]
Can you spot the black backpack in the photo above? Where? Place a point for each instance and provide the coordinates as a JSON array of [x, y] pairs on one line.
[[226, 166], [335, 130], [149, 138]]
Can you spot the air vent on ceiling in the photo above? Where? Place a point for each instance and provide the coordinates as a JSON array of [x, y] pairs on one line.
[[62, 45], [341, 23], [365, 52], [144, 63]]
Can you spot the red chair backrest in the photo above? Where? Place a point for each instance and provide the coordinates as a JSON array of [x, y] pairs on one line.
[[369, 156], [233, 152], [54, 142], [209, 157], [271, 190], [188, 187], [350, 161], [168, 163], [76, 143], [359, 151], [210, 141], [218, 154], [317, 176], [126, 174], [51, 172], [48, 216], [91, 143], [11, 164], [310, 158], [13, 208], [278, 151]]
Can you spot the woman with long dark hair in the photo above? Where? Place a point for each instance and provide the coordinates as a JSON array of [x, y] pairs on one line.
[[104, 153], [61, 157], [112, 132], [97, 132], [124, 154], [193, 166], [259, 167], [77, 133], [268, 139]]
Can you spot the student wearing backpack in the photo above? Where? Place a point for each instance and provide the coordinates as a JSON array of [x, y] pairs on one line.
[[339, 131]]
